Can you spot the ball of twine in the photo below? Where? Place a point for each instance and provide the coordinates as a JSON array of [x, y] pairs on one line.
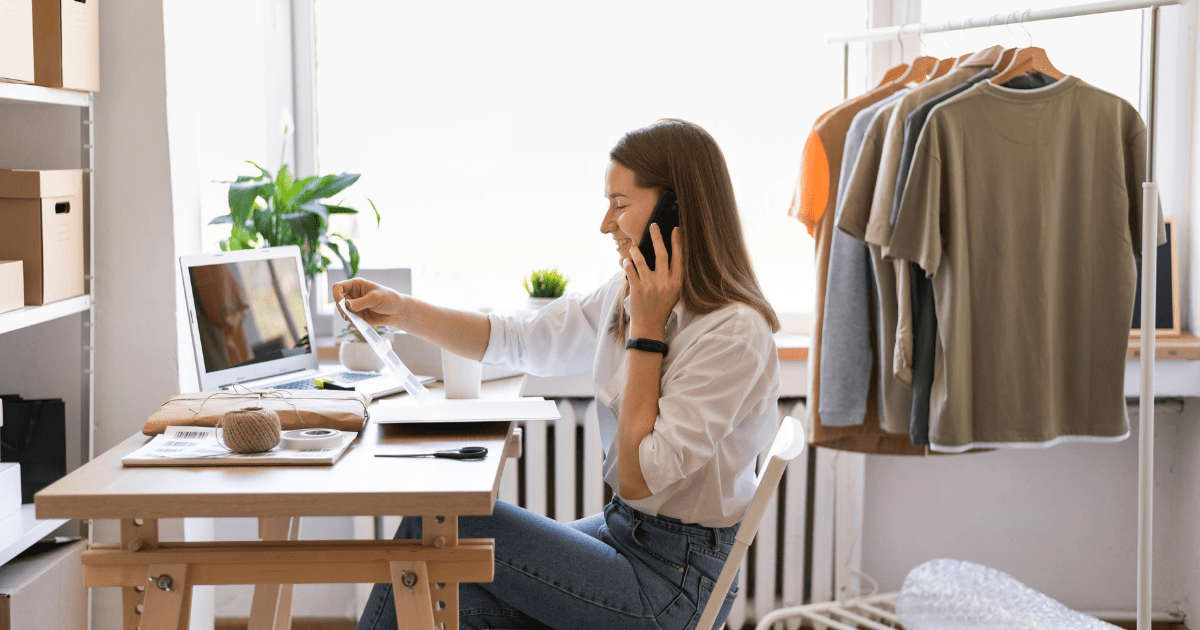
[[249, 430]]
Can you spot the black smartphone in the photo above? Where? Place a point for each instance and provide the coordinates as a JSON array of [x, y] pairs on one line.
[[666, 215]]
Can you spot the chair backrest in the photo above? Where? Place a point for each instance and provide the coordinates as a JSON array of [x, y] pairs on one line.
[[788, 444]]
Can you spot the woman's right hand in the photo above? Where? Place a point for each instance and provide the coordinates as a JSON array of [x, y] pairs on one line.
[[376, 304]]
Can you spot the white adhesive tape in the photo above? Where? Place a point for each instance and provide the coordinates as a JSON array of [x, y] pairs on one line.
[[311, 439]]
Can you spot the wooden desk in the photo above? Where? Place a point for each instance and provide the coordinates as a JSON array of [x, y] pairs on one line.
[[359, 484]]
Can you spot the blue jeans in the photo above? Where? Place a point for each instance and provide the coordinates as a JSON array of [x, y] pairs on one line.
[[618, 569]]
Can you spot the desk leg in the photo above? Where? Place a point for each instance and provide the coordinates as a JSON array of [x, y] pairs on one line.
[[442, 531], [412, 597], [167, 609], [271, 608], [136, 534]]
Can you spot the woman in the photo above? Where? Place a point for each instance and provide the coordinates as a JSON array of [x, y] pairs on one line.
[[682, 425]]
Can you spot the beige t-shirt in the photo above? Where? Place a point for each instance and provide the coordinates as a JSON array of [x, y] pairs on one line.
[[1025, 208]]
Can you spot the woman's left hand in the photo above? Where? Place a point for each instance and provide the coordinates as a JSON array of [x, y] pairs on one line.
[[652, 294]]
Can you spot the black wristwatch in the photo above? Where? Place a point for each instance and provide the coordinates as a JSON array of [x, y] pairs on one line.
[[648, 345]]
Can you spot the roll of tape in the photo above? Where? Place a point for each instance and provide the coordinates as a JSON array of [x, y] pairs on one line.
[[311, 439]]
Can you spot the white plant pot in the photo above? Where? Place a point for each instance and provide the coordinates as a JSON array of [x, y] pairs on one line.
[[359, 357], [536, 303]]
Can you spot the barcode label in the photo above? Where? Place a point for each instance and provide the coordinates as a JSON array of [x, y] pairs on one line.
[[315, 450], [189, 435], [183, 443]]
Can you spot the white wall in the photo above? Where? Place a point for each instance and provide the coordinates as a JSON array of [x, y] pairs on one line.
[[1062, 520]]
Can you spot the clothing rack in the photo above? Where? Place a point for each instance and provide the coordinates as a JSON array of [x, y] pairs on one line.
[[1149, 228]]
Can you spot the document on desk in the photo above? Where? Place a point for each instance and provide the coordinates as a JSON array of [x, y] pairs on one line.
[[198, 446], [475, 410]]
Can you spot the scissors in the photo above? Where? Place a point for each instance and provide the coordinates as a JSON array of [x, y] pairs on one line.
[[466, 452]]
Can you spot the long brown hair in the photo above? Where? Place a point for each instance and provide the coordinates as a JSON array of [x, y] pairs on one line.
[[716, 270]]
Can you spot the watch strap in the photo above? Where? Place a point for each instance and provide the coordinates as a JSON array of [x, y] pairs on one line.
[[647, 345]]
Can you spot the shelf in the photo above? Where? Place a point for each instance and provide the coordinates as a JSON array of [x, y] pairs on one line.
[[21, 529], [20, 93], [33, 315], [1185, 347]]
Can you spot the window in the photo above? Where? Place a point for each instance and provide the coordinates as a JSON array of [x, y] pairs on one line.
[[482, 130]]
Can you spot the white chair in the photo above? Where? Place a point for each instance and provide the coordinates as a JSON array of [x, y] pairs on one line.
[[788, 444]]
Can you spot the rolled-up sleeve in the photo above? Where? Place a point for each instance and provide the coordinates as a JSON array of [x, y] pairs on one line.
[[722, 384], [556, 340]]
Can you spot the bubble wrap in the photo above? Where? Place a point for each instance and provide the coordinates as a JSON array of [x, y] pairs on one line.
[[957, 595]]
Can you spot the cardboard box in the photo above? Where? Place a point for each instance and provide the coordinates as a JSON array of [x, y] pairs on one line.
[[16, 41], [10, 488], [41, 224], [66, 44], [44, 590], [12, 283]]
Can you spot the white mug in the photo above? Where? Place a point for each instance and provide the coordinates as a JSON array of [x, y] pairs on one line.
[[460, 376]]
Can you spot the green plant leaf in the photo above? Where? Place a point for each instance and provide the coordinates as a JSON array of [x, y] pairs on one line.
[[285, 184], [331, 185], [317, 209], [340, 209], [377, 217], [242, 196], [354, 259], [337, 251], [265, 173], [225, 218]]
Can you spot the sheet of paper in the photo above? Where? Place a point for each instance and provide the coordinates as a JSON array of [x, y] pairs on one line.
[[198, 446], [476, 410]]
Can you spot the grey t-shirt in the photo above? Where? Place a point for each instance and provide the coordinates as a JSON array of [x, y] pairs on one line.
[[921, 303], [847, 357]]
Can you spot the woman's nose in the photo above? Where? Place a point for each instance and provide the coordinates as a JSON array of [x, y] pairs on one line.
[[609, 223]]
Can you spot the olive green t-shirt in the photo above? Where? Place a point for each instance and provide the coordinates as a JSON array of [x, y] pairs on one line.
[[1024, 207]]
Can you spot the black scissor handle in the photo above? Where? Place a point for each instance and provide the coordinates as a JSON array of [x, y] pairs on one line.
[[466, 452]]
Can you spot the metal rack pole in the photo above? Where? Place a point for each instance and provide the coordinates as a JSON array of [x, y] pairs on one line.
[[1145, 541], [1145, 548], [1031, 15]]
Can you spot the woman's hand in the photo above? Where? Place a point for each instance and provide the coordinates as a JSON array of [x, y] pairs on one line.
[[652, 294], [376, 304]]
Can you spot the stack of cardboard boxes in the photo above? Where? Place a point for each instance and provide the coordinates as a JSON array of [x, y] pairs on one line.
[[51, 43], [42, 237]]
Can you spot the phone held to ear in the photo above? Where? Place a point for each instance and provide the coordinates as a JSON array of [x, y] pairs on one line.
[[666, 215]]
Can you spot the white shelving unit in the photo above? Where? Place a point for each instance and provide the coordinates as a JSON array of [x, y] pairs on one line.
[[21, 529]]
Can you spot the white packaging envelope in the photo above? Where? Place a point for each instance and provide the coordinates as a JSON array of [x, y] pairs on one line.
[[472, 410]]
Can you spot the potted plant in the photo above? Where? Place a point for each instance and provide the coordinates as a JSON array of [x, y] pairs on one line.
[[270, 211], [544, 286], [356, 354]]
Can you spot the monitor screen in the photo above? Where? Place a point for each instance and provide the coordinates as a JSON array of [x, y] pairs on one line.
[[249, 312]]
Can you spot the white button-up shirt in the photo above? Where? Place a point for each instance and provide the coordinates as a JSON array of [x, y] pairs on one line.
[[716, 412]]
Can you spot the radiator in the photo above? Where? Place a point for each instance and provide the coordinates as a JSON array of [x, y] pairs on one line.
[[558, 475]]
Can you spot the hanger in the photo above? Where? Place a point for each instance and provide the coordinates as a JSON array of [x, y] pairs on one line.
[[893, 74], [918, 69], [921, 68], [1030, 59], [943, 66], [1005, 59]]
